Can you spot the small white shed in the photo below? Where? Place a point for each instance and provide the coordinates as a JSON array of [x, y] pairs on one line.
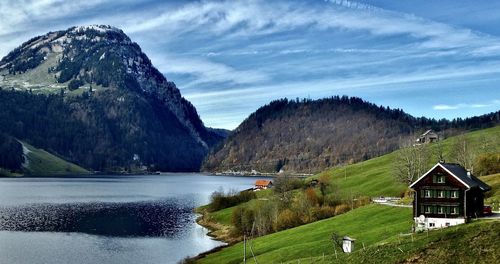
[[348, 244]]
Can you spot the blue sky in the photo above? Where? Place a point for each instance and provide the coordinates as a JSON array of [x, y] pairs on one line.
[[440, 59]]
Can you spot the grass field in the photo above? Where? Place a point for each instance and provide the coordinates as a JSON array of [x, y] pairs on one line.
[[40, 162], [382, 236], [476, 242], [367, 224], [375, 177], [493, 196]]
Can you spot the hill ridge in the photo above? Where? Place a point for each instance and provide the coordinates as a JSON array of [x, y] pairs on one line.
[[307, 136]]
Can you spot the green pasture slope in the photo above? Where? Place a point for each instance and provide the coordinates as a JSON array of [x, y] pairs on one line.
[[375, 177], [476, 242], [368, 224], [42, 163]]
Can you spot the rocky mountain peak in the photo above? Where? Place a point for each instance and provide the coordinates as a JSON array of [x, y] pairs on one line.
[[97, 56]]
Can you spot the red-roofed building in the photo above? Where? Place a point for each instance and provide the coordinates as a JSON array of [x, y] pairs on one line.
[[263, 184]]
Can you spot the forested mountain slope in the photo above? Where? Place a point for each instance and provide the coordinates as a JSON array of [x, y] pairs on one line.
[[90, 95], [308, 136]]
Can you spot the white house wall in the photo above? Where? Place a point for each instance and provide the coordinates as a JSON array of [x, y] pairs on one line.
[[438, 222]]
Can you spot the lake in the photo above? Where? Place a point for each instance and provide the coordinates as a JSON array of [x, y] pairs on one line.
[[106, 219]]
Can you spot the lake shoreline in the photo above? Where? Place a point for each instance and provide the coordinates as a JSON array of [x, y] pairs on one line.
[[217, 232]]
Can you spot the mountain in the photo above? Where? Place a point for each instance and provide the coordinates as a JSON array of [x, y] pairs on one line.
[[309, 136], [90, 95]]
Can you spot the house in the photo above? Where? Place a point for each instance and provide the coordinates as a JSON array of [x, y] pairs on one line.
[[263, 184], [447, 195], [428, 137]]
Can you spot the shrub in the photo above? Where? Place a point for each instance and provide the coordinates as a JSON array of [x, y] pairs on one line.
[[322, 212], [287, 219], [220, 200], [242, 219], [332, 200], [312, 197], [324, 181], [341, 208], [361, 201]]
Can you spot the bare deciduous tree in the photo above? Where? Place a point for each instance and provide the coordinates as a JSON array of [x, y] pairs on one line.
[[463, 152], [411, 162]]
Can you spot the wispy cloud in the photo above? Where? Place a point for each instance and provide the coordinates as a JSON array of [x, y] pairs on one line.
[[254, 17], [220, 51], [206, 71], [466, 105]]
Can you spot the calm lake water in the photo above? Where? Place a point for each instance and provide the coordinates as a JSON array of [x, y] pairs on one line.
[[108, 219]]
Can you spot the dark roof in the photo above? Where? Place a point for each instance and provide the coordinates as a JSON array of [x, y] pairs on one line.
[[461, 173]]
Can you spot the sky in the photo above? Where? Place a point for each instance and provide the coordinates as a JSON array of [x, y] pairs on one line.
[[439, 59]]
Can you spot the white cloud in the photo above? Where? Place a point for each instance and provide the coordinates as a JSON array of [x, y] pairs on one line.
[[206, 71], [447, 107], [465, 105], [254, 17]]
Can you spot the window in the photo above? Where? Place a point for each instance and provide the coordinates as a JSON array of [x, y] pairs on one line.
[[428, 209], [440, 194], [432, 225], [440, 210], [427, 194], [454, 194], [440, 178], [454, 210], [447, 224]]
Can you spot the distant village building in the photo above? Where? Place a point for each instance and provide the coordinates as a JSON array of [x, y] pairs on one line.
[[263, 184], [447, 195], [428, 137]]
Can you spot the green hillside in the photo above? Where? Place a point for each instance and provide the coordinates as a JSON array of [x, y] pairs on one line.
[[368, 225], [41, 162], [476, 242], [375, 177], [493, 196], [382, 236]]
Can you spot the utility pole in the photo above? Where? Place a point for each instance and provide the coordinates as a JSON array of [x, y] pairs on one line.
[[244, 249]]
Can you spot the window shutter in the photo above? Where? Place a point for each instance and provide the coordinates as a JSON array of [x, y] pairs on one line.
[[448, 195], [434, 209], [422, 193], [434, 178], [422, 209], [433, 193], [448, 209]]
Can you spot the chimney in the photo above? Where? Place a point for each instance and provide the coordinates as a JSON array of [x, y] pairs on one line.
[[468, 173]]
